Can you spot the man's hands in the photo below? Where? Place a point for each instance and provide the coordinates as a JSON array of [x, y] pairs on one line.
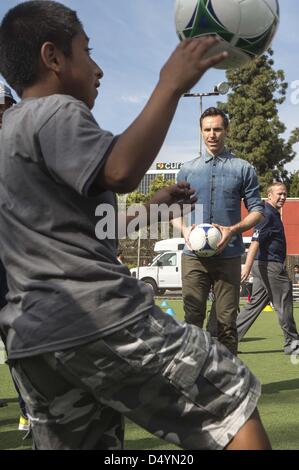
[[245, 273], [186, 234], [187, 63], [227, 233]]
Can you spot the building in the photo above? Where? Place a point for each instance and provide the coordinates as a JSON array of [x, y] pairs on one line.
[[169, 171]]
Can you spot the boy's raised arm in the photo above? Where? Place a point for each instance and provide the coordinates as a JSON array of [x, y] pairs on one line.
[[138, 146]]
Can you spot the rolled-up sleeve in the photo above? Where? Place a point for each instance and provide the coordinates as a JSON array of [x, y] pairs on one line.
[[251, 191]]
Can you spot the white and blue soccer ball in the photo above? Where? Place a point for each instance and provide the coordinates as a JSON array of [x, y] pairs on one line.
[[204, 239], [245, 27]]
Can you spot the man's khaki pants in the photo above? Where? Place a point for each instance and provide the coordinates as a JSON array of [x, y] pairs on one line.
[[198, 276]]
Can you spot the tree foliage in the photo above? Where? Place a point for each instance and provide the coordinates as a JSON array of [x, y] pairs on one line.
[[136, 198], [256, 132], [294, 185]]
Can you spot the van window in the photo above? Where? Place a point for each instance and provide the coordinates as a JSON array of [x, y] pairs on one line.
[[169, 259]]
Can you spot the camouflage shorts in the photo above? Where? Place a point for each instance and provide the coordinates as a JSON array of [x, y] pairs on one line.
[[170, 378]]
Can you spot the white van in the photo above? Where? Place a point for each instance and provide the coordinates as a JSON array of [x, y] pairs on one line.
[[164, 272], [171, 244]]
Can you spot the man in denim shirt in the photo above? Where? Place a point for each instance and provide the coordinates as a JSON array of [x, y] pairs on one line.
[[221, 181]]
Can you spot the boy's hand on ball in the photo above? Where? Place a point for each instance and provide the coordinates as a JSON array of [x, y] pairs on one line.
[[187, 63]]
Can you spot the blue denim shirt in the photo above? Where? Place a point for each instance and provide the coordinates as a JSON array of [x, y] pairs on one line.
[[220, 184]]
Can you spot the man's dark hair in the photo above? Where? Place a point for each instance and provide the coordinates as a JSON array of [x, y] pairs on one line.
[[296, 266], [215, 112], [23, 31]]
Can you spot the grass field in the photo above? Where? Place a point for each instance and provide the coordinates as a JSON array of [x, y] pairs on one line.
[[261, 350]]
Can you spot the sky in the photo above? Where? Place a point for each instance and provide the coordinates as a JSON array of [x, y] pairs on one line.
[[132, 39]]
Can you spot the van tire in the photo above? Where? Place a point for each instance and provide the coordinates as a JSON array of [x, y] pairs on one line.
[[152, 283]]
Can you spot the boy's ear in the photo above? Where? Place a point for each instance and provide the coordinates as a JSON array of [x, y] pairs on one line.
[[51, 57]]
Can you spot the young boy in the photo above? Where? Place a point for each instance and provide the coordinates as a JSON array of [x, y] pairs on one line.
[[6, 102], [87, 344]]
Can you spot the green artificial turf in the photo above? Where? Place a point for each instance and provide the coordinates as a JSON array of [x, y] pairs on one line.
[[261, 350], [10, 437]]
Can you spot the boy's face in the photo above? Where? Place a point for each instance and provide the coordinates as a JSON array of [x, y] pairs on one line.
[[81, 75]]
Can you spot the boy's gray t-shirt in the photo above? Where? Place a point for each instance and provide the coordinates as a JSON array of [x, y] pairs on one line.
[[66, 287]]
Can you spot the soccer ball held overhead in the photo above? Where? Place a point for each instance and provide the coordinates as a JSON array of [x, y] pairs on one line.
[[245, 27]]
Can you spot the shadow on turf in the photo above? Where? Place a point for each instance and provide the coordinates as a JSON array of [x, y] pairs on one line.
[[261, 352], [7, 422], [10, 400], [276, 387], [248, 340]]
